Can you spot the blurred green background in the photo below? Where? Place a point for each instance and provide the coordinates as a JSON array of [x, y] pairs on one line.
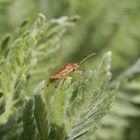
[[104, 25]]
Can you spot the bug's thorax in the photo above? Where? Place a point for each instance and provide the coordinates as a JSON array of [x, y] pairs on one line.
[[72, 66]]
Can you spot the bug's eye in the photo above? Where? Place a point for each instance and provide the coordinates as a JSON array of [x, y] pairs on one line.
[[75, 65]]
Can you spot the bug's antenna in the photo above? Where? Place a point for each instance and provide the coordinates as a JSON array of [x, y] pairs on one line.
[[86, 57]]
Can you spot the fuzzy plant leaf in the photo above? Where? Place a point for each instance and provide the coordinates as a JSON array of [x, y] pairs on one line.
[[78, 106], [95, 101], [125, 111], [13, 71], [134, 70], [40, 112], [29, 126]]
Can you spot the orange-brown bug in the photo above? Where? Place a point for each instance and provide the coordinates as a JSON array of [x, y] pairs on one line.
[[63, 72]]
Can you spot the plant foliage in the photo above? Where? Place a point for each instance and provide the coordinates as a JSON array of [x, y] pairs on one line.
[[31, 50], [67, 112]]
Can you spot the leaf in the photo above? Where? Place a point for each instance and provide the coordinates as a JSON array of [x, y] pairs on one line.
[[131, 71], [15, 66], [29, 126], [94, 103], [40, 112], [4, 46], [78, 106]]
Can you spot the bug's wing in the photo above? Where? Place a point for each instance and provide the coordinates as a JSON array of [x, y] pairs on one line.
[[66, 69]]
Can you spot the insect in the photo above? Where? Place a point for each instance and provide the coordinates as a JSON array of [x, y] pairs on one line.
[[63, 72]]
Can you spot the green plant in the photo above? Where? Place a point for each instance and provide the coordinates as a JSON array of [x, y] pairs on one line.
[[71, 110], [110, 25], [103, 25]]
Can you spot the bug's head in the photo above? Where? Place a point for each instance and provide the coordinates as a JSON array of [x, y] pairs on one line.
[[75, 65]]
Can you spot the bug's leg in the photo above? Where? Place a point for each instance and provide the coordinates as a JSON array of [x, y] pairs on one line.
[[63, 80], [49, 81], [48, 84]]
